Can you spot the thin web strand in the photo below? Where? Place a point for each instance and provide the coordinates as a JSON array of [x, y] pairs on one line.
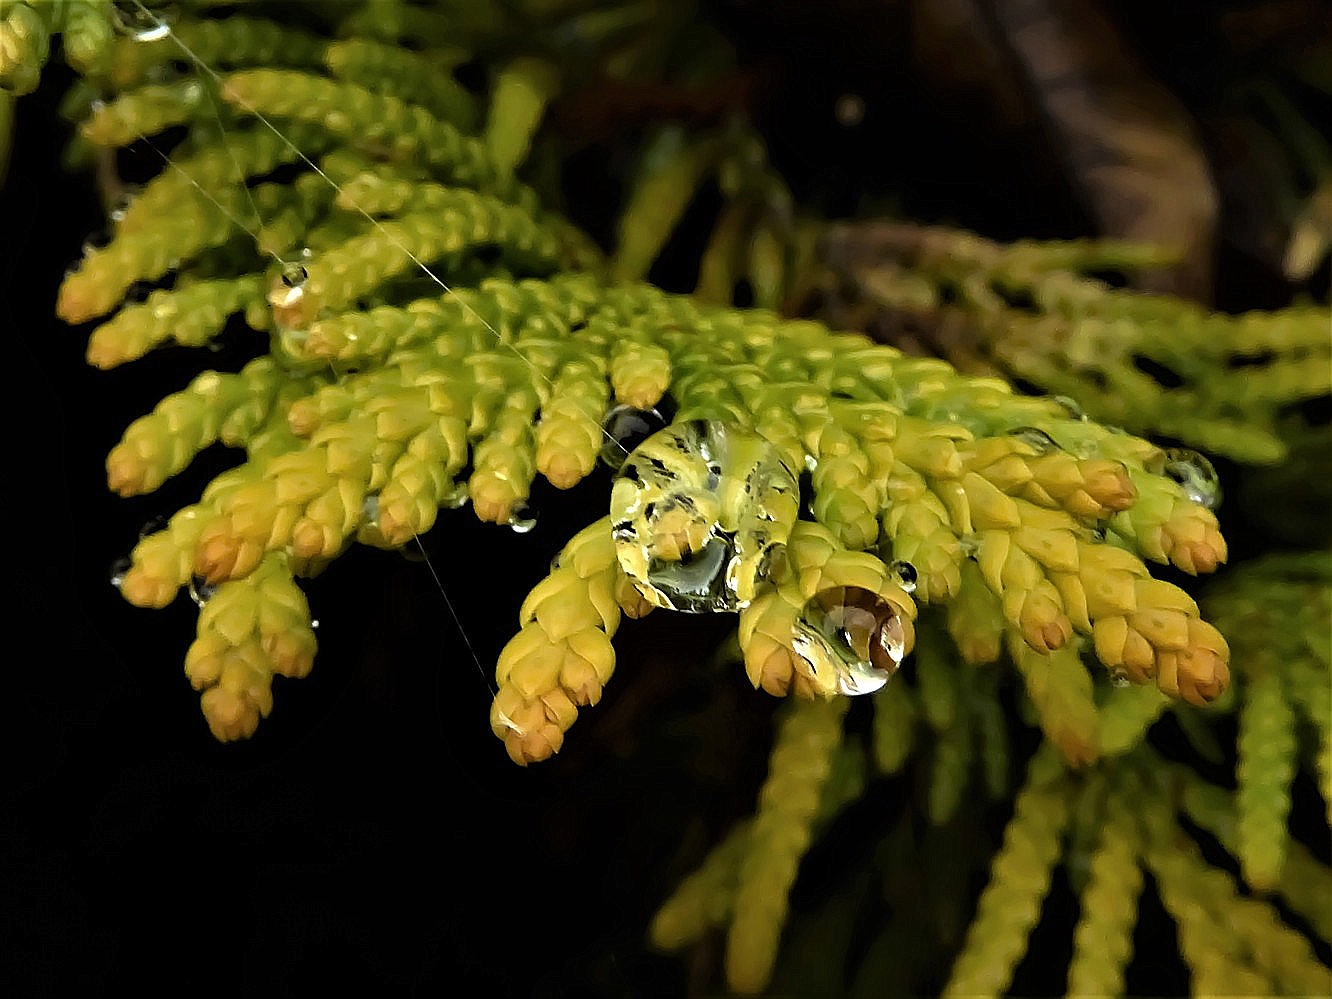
[[384, 231]]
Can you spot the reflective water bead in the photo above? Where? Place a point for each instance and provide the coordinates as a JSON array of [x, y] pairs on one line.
[[153, 525], [1071, 407], [1035, 438], [137, 21], [852, 634], [904, 574], [1195, 475], [625, 428], [370, 510], [119, 570], [697, 510], [294, 274], [522, 518], [1119, 678], [201, 591], [456, 498]]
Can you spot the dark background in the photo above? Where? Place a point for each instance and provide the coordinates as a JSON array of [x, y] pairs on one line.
[[373, 835]]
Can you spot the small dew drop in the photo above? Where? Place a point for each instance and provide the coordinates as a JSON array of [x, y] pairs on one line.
[[201, 591], [904, 574], [1071, 407], [555, 565], [522, 519], [1195, 475], [370, 509], [294, 274], [314, 625], [137, 22], [1120, 679], [969, 545], [119, 570], [153, 525], [1035, 438], [456, 498], [96, 242]]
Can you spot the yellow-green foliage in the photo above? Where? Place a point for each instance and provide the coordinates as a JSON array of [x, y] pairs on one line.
[[1149, 363], [426, 313]]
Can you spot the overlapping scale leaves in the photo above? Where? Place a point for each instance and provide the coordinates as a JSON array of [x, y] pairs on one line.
[[946, 514]]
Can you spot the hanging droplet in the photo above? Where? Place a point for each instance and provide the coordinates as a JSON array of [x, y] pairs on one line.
[[201, 591], [96, 242], [138, 22], [522, 518], [314, 624], [555, 564], [1119, 678], [153, 525], [853, 635], [456, 498], [119, 570], [1195, 475], [1071, 408], [1035, 438], [903, 573], [697, 510], [294, 274], [370, 510], [625, 428]]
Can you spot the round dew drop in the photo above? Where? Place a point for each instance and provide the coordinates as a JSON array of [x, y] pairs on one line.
[[1035, 438], [904, 574], [1195, 475], [852, 634], [1071, 407], [138, 22], [119, 570], [201, 591]]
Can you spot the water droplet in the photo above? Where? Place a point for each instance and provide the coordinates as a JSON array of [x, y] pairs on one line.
[[969, 545], [294, 275], [522, 518], [119, 570], [1035, 438], [1119, 678], [153, 525], [555, 564], [1195, 475], [456, 498], [904, 574], [314, 624], [95, 242], [697, 510], [1070, 406], [370, 510], [852, 638], [138, 21], [201, 591], [625, 428]]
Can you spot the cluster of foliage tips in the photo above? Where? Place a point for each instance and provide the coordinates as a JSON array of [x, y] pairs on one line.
[[997, 535]]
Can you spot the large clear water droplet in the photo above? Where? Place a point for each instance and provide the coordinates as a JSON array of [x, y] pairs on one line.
[[1195, 475], [903, 573], [1035, 438], [138, 21], [625, 428], [201, 591], [522, 518], [698, 512], [852, 634], [119, 570]]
